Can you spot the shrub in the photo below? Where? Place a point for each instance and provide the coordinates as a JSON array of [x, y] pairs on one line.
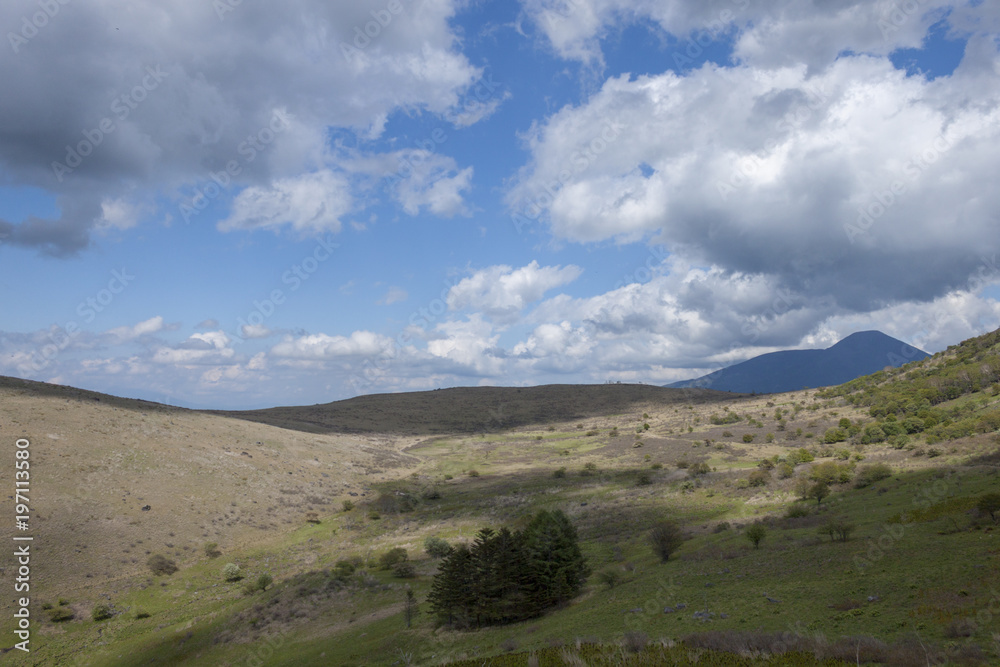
[[473, 473], [347, 505], [665, 538], [766, 464], [343, 569], [727, 434], [868, 475], [403, 570], [699, 469], [796, 512], [785, 470], [559, 473], [833, 435], [755, 533], [656, 466], [61, 614], [263, 581], [989, 504], [589, 469], [837, 528], [161, 565], [609, 577], [212, 550], [644, 479], [232, 572], [392, 557], [436, 547], [102, 612], [819, 491], [830, 472], [748, 437], [758, 478]]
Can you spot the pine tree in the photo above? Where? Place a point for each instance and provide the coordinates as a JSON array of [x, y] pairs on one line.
[[556, 566], [451, 591]]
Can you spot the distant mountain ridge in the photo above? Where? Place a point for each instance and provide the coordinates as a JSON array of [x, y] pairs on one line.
[[859, 354]]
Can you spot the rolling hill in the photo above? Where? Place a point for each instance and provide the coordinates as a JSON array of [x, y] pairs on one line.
[[859, 354], [472, 409]]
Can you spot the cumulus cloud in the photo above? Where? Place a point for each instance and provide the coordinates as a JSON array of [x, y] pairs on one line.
[[144, 104], [148, 327], [502, 292], [311, 203], [318, 347], [834, 185]]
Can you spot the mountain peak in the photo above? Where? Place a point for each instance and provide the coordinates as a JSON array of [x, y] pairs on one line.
[[860, 353]]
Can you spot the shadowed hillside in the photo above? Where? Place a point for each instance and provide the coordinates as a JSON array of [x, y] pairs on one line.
[[473, 409]]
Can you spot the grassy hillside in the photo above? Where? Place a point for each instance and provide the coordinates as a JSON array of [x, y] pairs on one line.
[[474, 409], [914, 582]]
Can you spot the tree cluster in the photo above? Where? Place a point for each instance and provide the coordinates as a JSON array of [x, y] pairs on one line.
[[506, 576]]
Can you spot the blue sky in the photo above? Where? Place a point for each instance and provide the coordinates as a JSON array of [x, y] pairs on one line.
[[254, 206]]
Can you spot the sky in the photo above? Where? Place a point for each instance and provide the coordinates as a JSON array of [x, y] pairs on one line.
[[235, 204]]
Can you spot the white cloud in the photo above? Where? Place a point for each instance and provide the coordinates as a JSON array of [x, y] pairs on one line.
[[782, 174], [323, 346], [151, 326], [394, 295], [311, 203], [502, 292]]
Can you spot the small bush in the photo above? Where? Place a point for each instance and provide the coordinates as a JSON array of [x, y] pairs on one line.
[[644, 479], [559, 473], [61, 614], [609, 577], [699, 469], [404, 570], [868, 475], [837, 528], [347, 505], [263, 581], [785, 470], [231, 572], [161, 565], [436, 547], [665, 538], [212, 550], [392, 557], [589, 469], [748, 437], [102, 612], [656, 466], [473, 473], [756, 533], [796, 512], [758, 478], [989, 504], [727, 434], [343, 569]]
